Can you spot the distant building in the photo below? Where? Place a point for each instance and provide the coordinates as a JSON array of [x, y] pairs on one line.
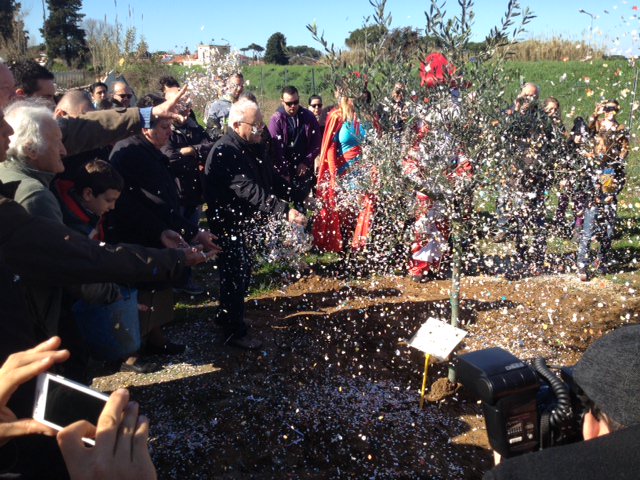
[[203, 56], [207, 52]]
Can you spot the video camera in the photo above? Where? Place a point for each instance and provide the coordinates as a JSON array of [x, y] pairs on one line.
[[526, 407]]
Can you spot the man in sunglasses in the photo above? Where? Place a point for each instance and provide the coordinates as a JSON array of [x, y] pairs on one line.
[[296, 144], [122, 94]]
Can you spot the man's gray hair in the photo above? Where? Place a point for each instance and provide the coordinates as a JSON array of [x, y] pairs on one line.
[[239, 109], [27, 119]]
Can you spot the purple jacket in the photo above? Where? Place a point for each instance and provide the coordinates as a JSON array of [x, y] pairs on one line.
[[305, 149]]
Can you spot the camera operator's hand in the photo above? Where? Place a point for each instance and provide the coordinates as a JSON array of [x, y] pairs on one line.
[[120, 451], [20, 368]]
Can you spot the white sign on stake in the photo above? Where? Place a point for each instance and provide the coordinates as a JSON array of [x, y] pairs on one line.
[[437, 338]]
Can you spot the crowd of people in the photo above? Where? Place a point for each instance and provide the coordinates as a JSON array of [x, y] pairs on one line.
[[98, 195]]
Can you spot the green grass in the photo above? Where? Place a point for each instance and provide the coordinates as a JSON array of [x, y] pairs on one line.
[[577, 85], [266, 81]]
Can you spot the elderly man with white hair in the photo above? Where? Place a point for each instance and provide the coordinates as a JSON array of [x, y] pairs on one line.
[[34, 157], [238, 192]]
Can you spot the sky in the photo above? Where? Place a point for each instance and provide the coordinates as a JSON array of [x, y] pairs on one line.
[[173, 25]]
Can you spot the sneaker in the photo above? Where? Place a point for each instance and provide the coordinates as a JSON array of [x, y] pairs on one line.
[[584, 276], [191, 288], [140, 366], [247, 342], [500, 237]]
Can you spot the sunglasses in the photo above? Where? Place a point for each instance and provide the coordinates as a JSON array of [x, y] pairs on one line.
[[292, 104], [124, 95], [315, 105], [610, 109]]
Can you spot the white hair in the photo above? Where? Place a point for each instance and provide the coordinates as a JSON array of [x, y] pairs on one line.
[[27, 119], [239, 109]]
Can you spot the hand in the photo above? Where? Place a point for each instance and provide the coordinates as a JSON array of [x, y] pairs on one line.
[[206, 238], [121, 444], [168, 107], [172, 239], [296, 217], [302, 170], [20, 368], [188, 152], [195, 256]]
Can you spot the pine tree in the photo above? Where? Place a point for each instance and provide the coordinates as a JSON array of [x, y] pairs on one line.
[[7, 10], [62, 33], [13, 38], [276, 50]]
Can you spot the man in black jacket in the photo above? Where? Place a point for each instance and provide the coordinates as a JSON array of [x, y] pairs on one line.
[[149, 206], [238, 191]]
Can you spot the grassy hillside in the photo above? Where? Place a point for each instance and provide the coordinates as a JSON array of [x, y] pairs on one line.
[[577, 85]]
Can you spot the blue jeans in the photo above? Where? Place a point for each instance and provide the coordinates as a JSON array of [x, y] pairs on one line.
[[599, 224]]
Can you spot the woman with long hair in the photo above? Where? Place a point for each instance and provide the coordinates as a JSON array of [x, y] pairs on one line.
[[344, 219]]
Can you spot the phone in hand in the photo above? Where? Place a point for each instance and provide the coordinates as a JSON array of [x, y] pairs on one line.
[[59, 402]]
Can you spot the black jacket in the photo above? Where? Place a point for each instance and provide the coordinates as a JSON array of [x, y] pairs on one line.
[[41, 250], [188, 169], [611, 456], [149, 202], [238, 185]]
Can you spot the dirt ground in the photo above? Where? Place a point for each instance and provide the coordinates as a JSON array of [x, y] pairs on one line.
[[334, 392]]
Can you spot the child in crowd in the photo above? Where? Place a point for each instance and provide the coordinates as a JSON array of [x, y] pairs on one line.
[[87, 197], [84, 199]]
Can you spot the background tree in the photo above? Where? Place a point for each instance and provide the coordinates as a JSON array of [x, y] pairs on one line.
[[303, 55], [276, 50], [13, 37], [7, 11], [366, 35], [142, 50], [255, 48], [62, 33], [103, 42]]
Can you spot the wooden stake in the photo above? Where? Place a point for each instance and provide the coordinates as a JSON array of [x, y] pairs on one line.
[[424, 379]]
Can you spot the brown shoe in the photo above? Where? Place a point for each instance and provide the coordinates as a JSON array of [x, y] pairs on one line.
[[248, 342]]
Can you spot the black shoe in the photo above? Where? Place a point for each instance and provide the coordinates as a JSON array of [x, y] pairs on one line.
[[140, 366], [168, 348], [246, 342], [190, 288]]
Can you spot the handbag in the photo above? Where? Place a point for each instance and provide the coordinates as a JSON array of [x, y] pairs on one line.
[[111, 331]]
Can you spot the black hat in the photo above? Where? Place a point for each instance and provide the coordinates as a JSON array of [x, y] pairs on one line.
[[609, 374]]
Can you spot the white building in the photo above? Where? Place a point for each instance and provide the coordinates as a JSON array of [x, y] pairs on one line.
[[207, 52]]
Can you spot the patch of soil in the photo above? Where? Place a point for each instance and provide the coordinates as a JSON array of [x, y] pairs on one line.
[[334, 392]]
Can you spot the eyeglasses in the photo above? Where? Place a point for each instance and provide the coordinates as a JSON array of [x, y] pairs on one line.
[[315, 105], [292, 104], [255, 129], [124, 95]]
